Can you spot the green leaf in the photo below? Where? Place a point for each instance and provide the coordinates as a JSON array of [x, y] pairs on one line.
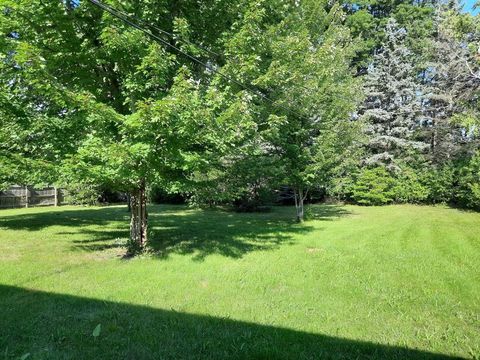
[[97, 330]]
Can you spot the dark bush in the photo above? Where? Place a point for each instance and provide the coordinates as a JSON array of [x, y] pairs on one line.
[[158, 195], [467, 191]]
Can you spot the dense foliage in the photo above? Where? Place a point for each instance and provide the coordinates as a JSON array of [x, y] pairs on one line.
[[369, 101]]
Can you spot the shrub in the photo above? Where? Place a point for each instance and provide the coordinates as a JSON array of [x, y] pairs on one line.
[[82, 194], [468, 183], [159, 195], [256, 199], [374, 187], [439, 182], [409, 188], [341, 187]]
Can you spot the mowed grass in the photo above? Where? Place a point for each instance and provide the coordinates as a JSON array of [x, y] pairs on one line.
[[395, 282]]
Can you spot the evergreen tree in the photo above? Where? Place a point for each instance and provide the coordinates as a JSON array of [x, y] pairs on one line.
[[450, 86], [368, 19], [392, 102]]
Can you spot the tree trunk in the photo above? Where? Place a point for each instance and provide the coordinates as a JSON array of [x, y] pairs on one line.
[[138, 218], [129, 203], [433, 140], [299, 198]]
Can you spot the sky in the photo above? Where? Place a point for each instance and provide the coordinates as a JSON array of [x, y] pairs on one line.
[[469, 6]]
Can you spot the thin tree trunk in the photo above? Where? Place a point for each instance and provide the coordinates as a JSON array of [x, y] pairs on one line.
[[129, 204], [139, 217], [26, 196], [295, 196], [144, 215], [300, 213], [433, 141], [299, 198]]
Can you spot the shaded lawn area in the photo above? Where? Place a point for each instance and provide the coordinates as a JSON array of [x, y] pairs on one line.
[[390, 282], [139, 332]]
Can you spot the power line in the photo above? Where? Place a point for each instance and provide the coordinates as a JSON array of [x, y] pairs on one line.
[[123, 13], [173, 36], [164, 32], [126, 19]]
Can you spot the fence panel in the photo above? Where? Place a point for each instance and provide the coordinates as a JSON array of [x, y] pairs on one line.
[[23, 196]]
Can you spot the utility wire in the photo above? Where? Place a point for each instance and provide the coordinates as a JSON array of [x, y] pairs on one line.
[[161, 31], [126, 19], [173, 36], [218, 55]]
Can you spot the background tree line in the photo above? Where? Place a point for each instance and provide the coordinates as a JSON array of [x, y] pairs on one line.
[[367, 101]]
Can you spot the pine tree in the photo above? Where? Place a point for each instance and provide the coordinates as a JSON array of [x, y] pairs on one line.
[[450, 83], [392, 102]]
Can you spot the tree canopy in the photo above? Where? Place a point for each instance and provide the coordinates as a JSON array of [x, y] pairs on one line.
[[368, 101]]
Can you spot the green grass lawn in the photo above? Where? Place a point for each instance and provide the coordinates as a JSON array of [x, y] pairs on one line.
[[396, 282]]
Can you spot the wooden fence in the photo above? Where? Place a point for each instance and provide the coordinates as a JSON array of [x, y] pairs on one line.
[[25, 196]]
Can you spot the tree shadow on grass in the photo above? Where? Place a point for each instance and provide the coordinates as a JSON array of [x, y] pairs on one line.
[[178, 229], [202, 233], [99, 228], [68, 217], [54, 326], [326, 212], [96, 240]]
